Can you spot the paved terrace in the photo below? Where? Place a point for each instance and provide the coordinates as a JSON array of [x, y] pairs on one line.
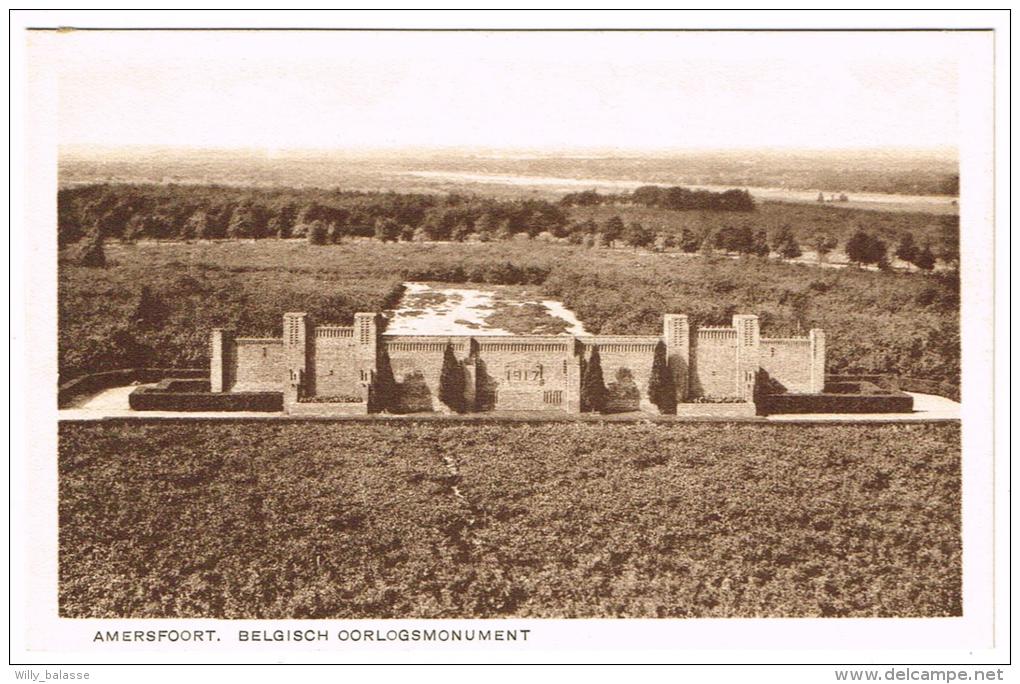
[[113, 403]]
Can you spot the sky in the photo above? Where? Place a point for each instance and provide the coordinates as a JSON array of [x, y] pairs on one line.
[[563, 91]]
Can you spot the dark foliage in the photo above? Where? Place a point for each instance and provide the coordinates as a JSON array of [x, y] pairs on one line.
[[276, 520], [154, 399], [786, 244], [593, 385], [661, 385], [134, 212], [836, 402], [673, 198], [864, 248], [90, 251], [452, 381], [384, 390]]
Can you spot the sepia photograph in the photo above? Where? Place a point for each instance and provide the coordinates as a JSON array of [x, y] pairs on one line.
[[536, 326]]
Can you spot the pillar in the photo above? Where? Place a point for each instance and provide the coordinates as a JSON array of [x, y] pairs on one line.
[[748, 361], [221, 360], [299, 381], [573, 393], [366, 338], [817, 339], [676, 333], [470, 364]]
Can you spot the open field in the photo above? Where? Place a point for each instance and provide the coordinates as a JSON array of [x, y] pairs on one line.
[[305, 520]]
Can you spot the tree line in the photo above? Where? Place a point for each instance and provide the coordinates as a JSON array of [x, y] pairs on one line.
[[674, 198], [131, 212]]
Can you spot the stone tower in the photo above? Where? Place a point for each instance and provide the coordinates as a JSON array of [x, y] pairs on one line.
[[748, 344], [221, 360], [817, 339], [299, 380], [676, 331], [366, 336]]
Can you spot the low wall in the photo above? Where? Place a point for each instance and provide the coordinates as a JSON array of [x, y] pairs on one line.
[[84, 385], [892, 402], [902, 384], [165, 399]]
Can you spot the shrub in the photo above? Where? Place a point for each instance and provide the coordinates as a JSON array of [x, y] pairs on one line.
[[451, 381], [155, 399], [90, 250], [864, 248], [661, 386], [786, 244], [318, 233], [593, 385]]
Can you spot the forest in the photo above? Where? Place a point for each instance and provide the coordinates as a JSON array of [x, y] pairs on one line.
[[656, 218]]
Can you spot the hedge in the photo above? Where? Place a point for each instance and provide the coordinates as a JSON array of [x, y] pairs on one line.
[[178, 395], [69, 391], [889, 402], [902, 384]]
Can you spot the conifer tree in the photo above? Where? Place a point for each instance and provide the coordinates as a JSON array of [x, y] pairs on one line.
[[384, 392], [661, 387], [90, 251], [451, 381], [593, 386], [907, 249]]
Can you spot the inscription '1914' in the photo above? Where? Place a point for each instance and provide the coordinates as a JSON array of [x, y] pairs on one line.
[[518, 374]]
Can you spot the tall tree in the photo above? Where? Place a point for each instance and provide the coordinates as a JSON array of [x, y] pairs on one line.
[[689, 242], [613, 229], [638, 236], [317, 233], [387, 230], [242, 222], [823, 243], [907, 249], [863, 248], [593, 385], [948, 240], [661, 385], [90, 251], [197, 225], [786, 244], [761, 247], [451, 381], [925, 258], [384, 390]]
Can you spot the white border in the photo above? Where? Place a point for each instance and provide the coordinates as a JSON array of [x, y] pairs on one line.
[[954, 640]]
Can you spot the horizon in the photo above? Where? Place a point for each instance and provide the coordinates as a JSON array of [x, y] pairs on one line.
[[586, 91]]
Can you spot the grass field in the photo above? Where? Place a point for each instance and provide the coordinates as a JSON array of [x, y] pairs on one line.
[[876, 322], [310, 520]]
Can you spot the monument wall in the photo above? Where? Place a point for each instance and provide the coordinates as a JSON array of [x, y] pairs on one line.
[[342, 364]]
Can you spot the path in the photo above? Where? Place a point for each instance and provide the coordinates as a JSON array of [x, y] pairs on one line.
[[113, 403]]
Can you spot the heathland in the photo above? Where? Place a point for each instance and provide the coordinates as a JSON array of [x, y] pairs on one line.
[[154, 303], [425, 520]]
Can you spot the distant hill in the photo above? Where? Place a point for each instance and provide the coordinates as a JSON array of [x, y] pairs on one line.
[[901, 172]]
